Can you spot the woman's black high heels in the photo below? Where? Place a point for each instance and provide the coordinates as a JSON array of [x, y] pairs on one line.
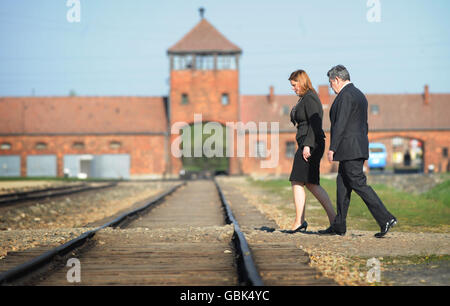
[[301, 228]]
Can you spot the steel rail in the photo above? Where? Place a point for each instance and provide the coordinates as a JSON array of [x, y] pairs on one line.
[[31, 266], [50, 192], [247, 271], [25, 193]]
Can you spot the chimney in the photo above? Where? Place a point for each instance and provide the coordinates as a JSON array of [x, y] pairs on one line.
[[271, 94], [324, 94], [202, 12], [426, 95]]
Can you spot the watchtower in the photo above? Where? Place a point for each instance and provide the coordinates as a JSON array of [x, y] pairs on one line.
[[204, 79], [204, 76]]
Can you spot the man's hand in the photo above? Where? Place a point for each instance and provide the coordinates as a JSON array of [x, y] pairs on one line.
[[330, 156], [306, 152]]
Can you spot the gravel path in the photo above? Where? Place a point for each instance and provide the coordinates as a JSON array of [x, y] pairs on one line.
[[342, 258]]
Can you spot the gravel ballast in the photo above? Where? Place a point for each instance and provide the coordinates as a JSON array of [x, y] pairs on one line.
[[55, 221]]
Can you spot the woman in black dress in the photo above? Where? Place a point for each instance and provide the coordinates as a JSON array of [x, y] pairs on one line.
[[307, 116]]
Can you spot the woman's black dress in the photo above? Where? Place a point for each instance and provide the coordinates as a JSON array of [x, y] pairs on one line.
[[307, 114]]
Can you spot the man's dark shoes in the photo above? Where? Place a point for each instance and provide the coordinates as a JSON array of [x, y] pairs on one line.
[[331, 231], [386, 228]]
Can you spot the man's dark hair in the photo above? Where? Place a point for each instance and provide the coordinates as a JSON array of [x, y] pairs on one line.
[[340, 72]]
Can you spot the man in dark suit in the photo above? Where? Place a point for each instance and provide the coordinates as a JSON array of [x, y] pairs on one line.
[[350, 146]]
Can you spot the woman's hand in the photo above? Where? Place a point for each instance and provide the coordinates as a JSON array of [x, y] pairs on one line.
[[306, 152], [330, 156]]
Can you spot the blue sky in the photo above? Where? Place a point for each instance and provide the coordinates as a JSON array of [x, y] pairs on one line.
[[119, 47]]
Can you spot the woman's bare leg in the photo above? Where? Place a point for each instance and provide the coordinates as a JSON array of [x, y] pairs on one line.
[[324, 199], [299, 202]]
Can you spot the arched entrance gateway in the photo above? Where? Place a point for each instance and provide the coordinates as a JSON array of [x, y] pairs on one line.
[[204, 82], [415, 151], [204, 149], [401, 154]]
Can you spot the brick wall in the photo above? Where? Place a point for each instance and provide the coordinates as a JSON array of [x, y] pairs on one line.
[[204, 89], [147, 152], [434, 143]]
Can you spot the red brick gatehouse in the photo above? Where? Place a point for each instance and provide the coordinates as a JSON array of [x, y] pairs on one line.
[[130, 137]]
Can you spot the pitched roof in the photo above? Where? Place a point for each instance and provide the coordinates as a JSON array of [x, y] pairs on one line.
[[204, 37], [408, 111], [256, 108], [396, 111], [82, 115]]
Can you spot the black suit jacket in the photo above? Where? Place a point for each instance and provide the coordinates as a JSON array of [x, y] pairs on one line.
[[349, 128], [307, 114]]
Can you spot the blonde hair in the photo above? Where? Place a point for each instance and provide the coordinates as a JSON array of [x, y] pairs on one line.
[[302, 77]]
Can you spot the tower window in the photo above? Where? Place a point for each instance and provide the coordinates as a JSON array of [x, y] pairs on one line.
[[445, 152], [182, 62], [184, 98], [225, 99], [226, 62], [204, 62]]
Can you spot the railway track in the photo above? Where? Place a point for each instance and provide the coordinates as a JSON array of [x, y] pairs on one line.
[[186, 236], [34, 195]]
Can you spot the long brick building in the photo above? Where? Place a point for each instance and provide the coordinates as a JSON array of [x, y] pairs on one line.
[[132, 137]]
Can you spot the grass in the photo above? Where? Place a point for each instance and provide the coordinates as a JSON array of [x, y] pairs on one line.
[[440, 193], [414, 260], [428, 212], [396, 263]]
